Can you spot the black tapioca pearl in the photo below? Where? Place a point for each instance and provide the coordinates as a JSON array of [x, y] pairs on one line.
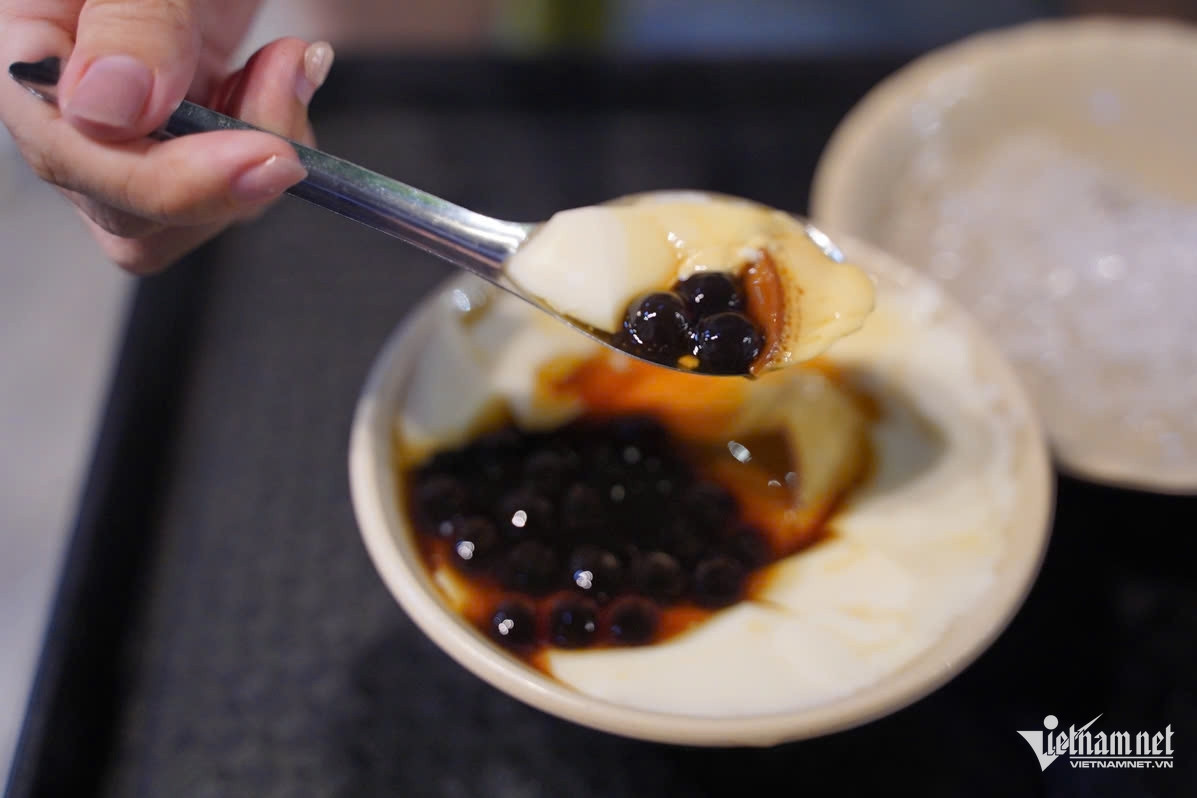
[[633, 504], [475, 542], [644, 433], [439, 500], [513, 624], [581, 512], [451, 462], [707, 293], [546, 471], [667, 477], [571, 460], [496, 456], [718, 581], [573, 622], [682, 541], [633, 620], [650, 512], [629, 551], [748, 545], [659, 575], [604, 461], [657, 327], [524, 514], [710, 508], [727, 343], [505, 441], [531, 567], [617, 492], [595, 571]]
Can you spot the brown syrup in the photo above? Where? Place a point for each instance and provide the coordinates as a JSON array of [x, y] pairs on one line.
[[627, 526]]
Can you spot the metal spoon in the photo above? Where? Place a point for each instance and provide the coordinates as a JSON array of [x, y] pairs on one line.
[[466, 239], [477, 243]]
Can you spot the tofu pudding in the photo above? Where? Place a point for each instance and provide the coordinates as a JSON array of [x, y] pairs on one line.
[[713, 284], [708, 548]]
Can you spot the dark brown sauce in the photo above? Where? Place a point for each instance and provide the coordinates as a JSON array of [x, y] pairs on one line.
[[627, 526]]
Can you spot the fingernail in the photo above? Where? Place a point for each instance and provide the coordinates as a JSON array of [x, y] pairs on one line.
[[268, 179], [112, 93], [317, 61]]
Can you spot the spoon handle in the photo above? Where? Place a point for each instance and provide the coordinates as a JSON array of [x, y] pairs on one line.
[[471, 240]]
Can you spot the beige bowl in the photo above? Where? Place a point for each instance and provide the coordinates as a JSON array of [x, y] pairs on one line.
[[1114, 95], [389, 540]]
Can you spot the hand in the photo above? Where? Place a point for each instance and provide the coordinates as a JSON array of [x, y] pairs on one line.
[[130, 63]]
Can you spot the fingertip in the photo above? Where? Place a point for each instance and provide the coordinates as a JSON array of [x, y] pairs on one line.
[[274, 88], [109, 99], [133, 61], [267, 180], [214, 176], [317, 62]]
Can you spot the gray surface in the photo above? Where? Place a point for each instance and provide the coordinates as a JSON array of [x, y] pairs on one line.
[[61, 307]]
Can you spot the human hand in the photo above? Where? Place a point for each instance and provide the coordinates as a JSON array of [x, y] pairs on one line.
[[130, 63]]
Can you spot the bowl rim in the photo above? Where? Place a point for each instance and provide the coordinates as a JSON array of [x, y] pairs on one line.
[[377, 506], [884, 108]]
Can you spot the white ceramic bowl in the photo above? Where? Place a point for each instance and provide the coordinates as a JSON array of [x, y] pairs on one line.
[[1115, 93], [390, 541]]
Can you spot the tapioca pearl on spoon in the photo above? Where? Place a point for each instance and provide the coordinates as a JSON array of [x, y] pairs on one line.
[[641, 274]]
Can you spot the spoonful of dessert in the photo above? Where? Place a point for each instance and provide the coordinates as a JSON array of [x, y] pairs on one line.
[[692, 281]]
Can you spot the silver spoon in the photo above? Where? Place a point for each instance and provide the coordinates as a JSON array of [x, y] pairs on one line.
[[477, 243], [466, 239]]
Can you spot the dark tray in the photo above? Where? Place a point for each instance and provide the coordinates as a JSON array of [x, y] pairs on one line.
[[219, 630]]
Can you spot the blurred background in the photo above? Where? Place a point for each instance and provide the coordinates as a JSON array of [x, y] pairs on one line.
[[62, 306], [670, 28]]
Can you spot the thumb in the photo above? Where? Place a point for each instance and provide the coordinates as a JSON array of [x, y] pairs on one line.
[[132, 65]]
